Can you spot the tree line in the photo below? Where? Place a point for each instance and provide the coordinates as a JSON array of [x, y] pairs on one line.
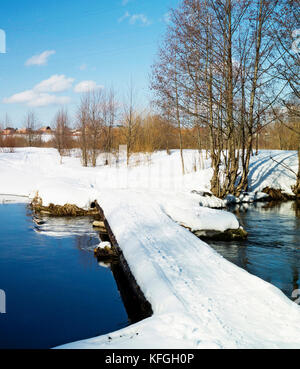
[[225, 65]]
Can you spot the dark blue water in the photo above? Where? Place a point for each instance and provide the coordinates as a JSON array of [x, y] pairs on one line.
[[272, 250], [56, 292]]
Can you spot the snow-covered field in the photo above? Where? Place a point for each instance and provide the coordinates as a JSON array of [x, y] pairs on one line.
[[199, 299], [25, 170]]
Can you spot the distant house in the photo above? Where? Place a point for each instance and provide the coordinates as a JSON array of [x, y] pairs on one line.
[[46, 129], [76, 132], [22, 131], [9, 131]]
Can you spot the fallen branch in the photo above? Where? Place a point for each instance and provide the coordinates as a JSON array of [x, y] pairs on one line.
[[285, 166]]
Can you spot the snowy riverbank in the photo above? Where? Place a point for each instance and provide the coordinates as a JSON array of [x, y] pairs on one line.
[[199, 299]]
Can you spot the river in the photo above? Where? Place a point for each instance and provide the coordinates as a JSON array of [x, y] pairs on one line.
[[56, 292], [272, 250]]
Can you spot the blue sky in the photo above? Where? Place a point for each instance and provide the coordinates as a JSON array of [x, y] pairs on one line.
[[55, 48]]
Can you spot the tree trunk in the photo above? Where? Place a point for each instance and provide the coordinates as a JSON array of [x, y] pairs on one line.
[[179, 120], [243, 185]]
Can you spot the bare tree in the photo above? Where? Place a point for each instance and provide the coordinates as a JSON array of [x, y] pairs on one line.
[[61, 131], [96, 114], [91, 121], [109, 116], [83, 126], [31, 126], [224, 60], [287, 22], [130, 122]]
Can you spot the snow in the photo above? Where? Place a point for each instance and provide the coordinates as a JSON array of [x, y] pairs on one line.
[[11, 199], [246, 197], [264, 172], [104, 245], [199, 299], [185, 210], [31, 169]]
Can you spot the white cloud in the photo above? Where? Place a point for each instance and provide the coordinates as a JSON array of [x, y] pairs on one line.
[[22, 97], [41, 59], [48, 99], [125, 16], [139, 18], [135, 18], [42, 93], [83, 67], [55, 83], [86, 86], [36, 99]]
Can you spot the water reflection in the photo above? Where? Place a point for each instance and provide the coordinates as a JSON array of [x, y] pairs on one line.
[[65, 227], [13, 199], [136, 306], [296, 208], [272, 250]]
